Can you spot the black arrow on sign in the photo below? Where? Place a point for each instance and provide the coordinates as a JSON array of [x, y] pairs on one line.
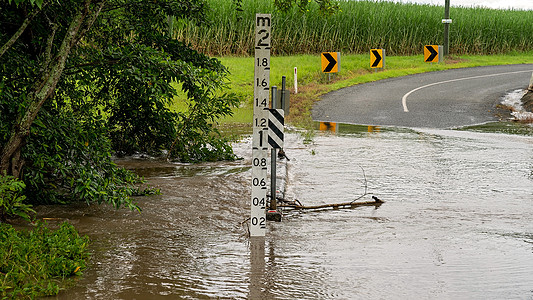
[[433, 54], [331, 60], [378, 58]]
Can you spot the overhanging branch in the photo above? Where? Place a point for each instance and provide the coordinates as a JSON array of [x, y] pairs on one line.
[[21, 29]]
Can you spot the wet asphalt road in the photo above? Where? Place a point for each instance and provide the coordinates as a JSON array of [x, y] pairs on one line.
[[443, 99]]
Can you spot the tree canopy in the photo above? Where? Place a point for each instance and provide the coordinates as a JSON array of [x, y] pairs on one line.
[[82, 79]]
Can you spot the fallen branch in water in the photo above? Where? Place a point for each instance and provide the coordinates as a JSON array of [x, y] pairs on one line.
[[246, 228], [366, 187], [297, 205], [352, 204]]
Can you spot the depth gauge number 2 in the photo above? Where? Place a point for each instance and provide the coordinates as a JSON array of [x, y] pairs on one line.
[[261, 221]]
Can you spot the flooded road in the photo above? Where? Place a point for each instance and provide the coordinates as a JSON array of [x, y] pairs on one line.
[[457, 223]]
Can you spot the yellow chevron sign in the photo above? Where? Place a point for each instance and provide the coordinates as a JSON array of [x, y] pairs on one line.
[[432, 53], [330, 62], [377, 58]]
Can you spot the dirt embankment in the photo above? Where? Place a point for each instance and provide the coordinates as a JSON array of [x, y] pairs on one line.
[[527, 100]]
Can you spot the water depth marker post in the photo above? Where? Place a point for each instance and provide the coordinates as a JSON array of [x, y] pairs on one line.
[[260, 124]]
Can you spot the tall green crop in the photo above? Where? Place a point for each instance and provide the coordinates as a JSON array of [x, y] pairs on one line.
[[401, 29]]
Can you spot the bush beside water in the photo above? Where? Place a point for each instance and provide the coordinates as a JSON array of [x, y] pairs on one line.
[[34, 262]]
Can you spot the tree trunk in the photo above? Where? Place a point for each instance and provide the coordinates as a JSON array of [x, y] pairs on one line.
[[11, 161]]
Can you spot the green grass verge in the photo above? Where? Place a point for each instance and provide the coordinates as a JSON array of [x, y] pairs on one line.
[[502, 127], [36, 262], [355, 69]]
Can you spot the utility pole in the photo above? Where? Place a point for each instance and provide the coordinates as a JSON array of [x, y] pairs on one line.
[[446, 27]]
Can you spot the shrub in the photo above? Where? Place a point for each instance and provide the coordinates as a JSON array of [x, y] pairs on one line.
[[33, 263], [11, 199]]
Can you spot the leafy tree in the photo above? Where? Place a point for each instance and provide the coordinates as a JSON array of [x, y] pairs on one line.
[[80, 79]]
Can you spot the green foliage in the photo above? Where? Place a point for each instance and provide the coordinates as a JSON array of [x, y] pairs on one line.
[[33, 263], [357, 26], [136, 94], [38, 3], [68, 159], [128, 79], [11, 199]]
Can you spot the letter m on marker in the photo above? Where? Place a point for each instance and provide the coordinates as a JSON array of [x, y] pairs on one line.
[[263, 21]]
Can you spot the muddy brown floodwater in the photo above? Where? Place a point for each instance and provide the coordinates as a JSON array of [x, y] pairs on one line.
[[457, 223]]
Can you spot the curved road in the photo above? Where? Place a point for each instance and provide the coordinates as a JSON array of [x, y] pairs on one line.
[[443, 99]]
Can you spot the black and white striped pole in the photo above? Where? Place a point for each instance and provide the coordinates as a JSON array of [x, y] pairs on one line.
[[273, 202], [275, 141]]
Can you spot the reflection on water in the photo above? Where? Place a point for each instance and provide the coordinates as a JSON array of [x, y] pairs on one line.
[[457, 223], [339, 128], [257, 267], [328, 126], [160, 169]]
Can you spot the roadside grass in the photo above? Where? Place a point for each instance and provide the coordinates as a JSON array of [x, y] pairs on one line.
[[355, 69], [518, 128]]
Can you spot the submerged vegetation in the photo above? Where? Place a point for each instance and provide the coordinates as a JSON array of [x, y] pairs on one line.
[[399, 28], [34, 263]]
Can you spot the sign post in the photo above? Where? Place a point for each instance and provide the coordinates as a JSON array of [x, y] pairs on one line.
[[446, 22], [260, 124], [331, 63]]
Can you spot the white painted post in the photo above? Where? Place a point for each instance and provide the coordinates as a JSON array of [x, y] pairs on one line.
[[295, 80], [531, 83]]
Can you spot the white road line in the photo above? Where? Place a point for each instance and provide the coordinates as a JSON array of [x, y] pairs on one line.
[[404, 98]]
